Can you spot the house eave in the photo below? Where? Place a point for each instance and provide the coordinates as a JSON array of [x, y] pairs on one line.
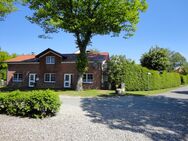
[[22, 63], [49, 52]]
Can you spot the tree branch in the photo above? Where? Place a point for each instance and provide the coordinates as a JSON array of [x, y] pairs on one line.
[[94, 9]]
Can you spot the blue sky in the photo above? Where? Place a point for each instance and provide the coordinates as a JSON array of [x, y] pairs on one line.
[[165, 23]]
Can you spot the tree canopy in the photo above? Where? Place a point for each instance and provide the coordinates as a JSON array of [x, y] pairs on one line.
[[94, 16], [164, 59], [3, 66], [115, 70], [176, 60], [156, 59], [185, 67], [6, 7], [85, 19]]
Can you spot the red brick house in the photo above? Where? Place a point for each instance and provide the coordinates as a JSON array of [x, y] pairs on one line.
[[51, 69]]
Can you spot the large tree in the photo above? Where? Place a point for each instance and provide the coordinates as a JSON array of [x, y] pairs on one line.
[[85, 19], [6, 7], [3, 66], [185, 67], [176, 60], [157, 59]]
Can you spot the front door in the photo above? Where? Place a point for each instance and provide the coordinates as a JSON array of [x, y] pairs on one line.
[[32, 79], [67, 80]]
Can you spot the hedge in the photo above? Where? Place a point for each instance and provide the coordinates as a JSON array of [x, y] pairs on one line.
[[138, 78], [35, 104], [184, 79]]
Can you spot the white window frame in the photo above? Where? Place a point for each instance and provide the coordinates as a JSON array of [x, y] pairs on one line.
[[87, 78], [50, 59], [50, 78], [17, 77]]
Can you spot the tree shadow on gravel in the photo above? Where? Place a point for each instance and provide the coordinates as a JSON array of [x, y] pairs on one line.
[[158, 117], [180, 92]]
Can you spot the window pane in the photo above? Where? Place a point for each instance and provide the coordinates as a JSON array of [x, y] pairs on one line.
[[15, 76], [66, 77], [52, 60], [67, 84], [90, 78], [47, 59], [20, 76], [47, 77], [31, 77], [84, 78], [52, 77]]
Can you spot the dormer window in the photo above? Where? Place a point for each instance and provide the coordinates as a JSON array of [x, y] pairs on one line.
[[50, 59]]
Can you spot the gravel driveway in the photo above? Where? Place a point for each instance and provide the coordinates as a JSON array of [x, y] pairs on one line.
[[128, 118]]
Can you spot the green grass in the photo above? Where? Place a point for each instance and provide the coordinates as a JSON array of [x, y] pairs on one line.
[[153, 92], [107, 93], [86, 93], [102, 93]]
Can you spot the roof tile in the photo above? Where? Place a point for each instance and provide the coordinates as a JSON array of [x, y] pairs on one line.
[[66, 57], [22, 58]]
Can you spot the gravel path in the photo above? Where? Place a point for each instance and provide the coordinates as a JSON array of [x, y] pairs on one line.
[[129, 118]]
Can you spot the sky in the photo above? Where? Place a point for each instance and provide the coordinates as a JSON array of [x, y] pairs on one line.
[[165, 24]]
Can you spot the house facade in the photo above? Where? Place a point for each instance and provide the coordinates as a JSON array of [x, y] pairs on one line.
[[51, 69]]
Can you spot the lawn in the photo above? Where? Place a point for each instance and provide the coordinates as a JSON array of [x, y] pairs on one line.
[[106, 93], [148, 93], [86, 93], [103, 93]]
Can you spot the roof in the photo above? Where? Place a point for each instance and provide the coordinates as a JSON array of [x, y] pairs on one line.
[[91, 56], [65, 57], [46, 51], [22, 58]]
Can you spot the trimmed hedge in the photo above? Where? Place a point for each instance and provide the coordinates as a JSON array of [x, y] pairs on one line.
[[136, 77], [184, 79], [35, 104]]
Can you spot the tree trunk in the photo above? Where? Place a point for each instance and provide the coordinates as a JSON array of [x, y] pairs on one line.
[[82, 40], [79, 86], [82, 65]]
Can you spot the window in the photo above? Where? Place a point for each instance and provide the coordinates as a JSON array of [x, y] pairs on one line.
[[88, 78], [17, 77], [49, 77], [50, 59]]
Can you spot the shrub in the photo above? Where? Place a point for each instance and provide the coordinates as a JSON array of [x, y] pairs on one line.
[[136, 77], [2, 105], [35, 104], [139, 79], [184, 79]]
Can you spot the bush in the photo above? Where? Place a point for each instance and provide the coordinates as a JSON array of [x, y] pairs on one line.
[[35, 104], [184, 79], [136, 77]]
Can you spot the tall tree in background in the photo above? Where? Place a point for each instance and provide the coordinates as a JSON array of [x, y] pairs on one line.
[[85, 19], [6, 7], [185, 66], [156, 59], [176, 60], [3, 66]]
